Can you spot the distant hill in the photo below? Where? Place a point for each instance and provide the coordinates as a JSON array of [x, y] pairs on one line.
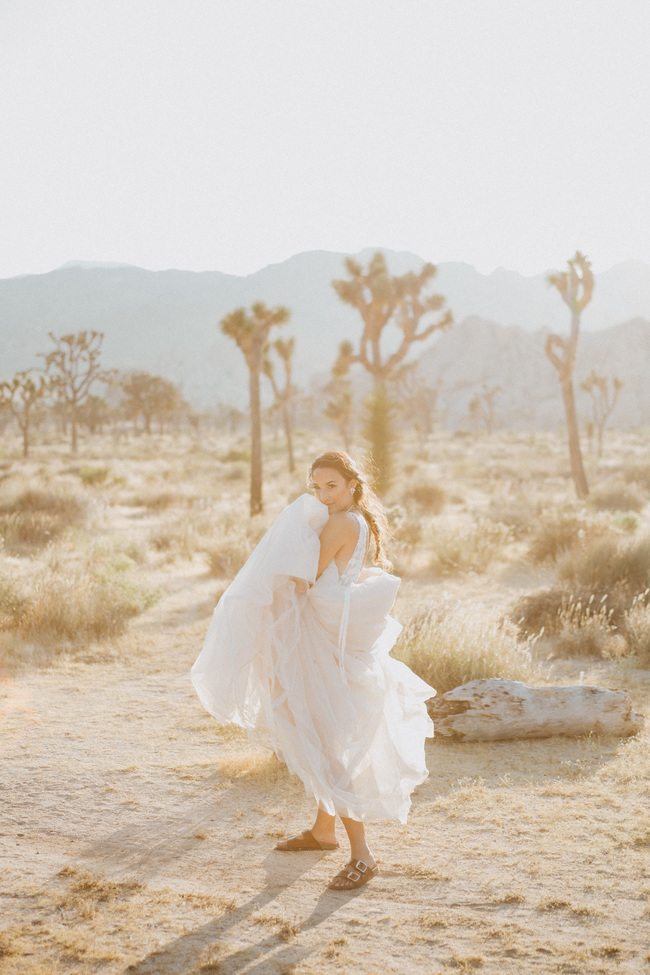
[[167, 321], [479, 352]]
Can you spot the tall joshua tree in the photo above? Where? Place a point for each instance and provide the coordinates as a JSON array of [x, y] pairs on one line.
[[575, 286], [251, 332], [283, 394], [74, 367], [383, 299]]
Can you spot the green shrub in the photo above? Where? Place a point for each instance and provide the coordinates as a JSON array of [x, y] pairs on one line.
[[93, 475], [448, 646]]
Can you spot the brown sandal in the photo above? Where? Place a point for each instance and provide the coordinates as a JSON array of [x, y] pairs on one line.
[[303, 841], [356, 873]]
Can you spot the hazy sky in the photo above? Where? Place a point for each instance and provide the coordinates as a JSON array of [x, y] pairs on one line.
[[204, 134]]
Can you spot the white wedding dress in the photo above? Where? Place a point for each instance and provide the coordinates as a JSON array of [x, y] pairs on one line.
[[310, 675]]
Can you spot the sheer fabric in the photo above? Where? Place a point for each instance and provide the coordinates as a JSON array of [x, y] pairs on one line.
[[310, 674]]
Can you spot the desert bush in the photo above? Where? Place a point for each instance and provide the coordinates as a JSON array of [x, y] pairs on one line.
[[638, 472], [93, 476], [467, 549], [518, 515], [447, 646], [562, 533], [156, 500], [618, 496], [227, 558], [427, 496], [637, 628], [608, 564], [81, 603], [552, 610], [35, 517]]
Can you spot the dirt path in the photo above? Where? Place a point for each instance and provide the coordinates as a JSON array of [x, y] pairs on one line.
[[138, 837]]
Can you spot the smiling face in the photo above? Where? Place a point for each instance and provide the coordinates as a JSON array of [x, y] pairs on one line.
[[332, 489]]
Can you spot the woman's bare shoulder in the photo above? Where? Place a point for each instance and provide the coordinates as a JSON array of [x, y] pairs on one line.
[[342, 524]]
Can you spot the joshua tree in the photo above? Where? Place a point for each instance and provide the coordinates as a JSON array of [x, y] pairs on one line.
[[382, 299], [575, 286], [149, 396], [251, 333], [481, 406], [19, 395], [283, 396], [73, 367], [603, 401]]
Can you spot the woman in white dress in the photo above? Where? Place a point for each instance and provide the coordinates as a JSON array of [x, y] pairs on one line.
[[298, 654]]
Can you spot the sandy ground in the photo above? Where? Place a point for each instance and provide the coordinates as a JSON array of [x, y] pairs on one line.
[[138, 837]]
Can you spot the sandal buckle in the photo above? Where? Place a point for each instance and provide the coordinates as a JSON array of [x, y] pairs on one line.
[[354, 876], [361, 865]]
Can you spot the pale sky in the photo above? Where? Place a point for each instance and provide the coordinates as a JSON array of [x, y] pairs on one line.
[[212, 135]]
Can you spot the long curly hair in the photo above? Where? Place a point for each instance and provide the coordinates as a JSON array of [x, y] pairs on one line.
[[364, 497]]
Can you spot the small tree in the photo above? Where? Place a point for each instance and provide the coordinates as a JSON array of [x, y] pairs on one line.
[[283, 395], [603, 400], [73, 367], [481, 407], [575, 286], [94, 413], [19, 395], [150, 397], [251, 333]]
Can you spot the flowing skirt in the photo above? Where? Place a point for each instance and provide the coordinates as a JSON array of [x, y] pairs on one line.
[[344, 716]]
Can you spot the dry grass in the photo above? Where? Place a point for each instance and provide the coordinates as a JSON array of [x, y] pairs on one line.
[[467, 549], [450, 645]]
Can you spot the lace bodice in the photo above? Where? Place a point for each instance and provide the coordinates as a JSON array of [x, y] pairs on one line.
[[351, 572]]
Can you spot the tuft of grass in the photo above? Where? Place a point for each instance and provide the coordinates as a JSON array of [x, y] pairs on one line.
[[93, 476], [448, 646], [469, 549], [227, 558], [87, 602], [618, 495], [564, 532], [610, 563], [36, 517]]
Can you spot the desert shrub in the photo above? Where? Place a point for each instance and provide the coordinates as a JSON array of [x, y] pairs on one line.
[[562, 533], [608, 564], [409, 534], [226, 559], [69, 508], [518, 515], [637, 628], [626, 521], [638, 472], [180, 538], [448, 646], [11, 603], [93, 476], [618, 496], [552, 610], [236, 455], [427, 496], [155, 500], [34, 517], [82, 603], [467, 549]]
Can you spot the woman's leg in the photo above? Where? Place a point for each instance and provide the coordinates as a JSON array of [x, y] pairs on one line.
[[359, 850], [324, 827]]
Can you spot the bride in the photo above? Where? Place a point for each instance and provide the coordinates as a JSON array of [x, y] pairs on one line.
[[298, 654]]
